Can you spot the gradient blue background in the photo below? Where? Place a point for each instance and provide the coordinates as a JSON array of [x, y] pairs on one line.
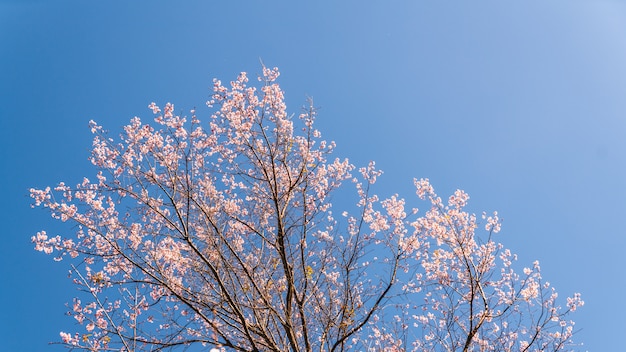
[[520, 103]]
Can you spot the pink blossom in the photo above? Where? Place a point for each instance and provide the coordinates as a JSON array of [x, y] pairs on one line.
[[155, 109]]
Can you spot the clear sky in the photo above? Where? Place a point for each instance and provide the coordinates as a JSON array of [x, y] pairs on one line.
[[520, 103]]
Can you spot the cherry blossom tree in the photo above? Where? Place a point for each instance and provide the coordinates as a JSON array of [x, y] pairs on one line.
[[222, 234]]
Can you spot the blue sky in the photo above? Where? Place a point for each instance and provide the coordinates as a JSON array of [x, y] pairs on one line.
[[520, 103]]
